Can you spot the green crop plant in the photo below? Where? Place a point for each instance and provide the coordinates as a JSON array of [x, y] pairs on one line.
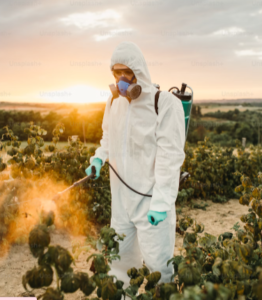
[[215, 171], [55, 263], [231, 261]]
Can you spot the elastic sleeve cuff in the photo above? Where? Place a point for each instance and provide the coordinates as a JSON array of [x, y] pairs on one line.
[[161, 207], [93, 157]]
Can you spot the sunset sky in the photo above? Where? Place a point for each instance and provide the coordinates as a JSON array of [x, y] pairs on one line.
[[60, 51]]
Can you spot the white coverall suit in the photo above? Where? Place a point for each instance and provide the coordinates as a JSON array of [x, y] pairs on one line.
[[147, 151]]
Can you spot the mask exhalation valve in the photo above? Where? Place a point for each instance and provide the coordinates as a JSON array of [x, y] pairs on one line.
[[133, 91]]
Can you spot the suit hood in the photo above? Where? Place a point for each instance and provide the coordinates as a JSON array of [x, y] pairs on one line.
[[130, 55]]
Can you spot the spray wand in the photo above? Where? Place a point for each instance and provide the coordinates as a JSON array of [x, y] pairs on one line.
[[93, 174]]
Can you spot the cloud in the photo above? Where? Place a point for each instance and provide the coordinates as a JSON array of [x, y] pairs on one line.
[[91, 19], [104, 35], [248, 52], [258, 39], [229, 31]]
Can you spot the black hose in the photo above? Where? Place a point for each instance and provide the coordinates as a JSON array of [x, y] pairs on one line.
[[126, 183]]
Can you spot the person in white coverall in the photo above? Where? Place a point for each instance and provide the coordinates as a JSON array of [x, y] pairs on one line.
[[147, 151]]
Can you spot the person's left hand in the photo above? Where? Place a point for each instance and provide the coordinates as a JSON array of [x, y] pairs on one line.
[[154, 217]]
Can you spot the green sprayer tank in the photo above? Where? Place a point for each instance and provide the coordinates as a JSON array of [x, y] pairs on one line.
[[187, 102], [186, 99]]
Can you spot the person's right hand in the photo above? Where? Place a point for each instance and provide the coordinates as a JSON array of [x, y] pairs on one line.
[[97, 162], [154, 217]]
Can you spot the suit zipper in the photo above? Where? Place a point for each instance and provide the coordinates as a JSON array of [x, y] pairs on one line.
[[125, 137]]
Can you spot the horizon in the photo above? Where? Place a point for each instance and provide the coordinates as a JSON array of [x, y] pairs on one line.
[[200, 101]]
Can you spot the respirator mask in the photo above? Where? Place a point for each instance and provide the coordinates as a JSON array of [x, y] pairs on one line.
[[125, 88]]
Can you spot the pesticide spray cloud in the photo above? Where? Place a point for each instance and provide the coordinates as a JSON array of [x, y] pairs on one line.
[[23, 202]]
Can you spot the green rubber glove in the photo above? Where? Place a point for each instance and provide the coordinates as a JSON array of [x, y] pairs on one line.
[[97, 162], [157, 217]]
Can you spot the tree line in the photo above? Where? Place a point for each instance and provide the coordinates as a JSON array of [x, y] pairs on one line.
[[75, 124], [230, 125]]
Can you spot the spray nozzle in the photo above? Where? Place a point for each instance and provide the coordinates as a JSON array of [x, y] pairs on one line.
[[93, 175], [183, 88]]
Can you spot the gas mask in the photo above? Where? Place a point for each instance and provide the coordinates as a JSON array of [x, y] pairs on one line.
[[126, 88]]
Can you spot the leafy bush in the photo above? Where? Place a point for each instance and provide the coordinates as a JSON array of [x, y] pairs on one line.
[[215, 171]]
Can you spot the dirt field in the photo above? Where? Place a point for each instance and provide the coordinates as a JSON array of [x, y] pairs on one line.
[[217, 218], [225, 108], [217, 120]]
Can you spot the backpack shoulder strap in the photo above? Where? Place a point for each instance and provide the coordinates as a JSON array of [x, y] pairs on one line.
[[156, 101]]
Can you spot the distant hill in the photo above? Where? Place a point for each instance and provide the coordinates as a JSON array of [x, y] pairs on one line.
[[229, 101], [83, 108], [60, 108]]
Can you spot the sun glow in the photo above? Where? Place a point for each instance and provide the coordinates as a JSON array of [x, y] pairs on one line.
[[75, 94]]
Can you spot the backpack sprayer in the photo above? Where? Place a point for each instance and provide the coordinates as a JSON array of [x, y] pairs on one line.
[[187, 101]]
